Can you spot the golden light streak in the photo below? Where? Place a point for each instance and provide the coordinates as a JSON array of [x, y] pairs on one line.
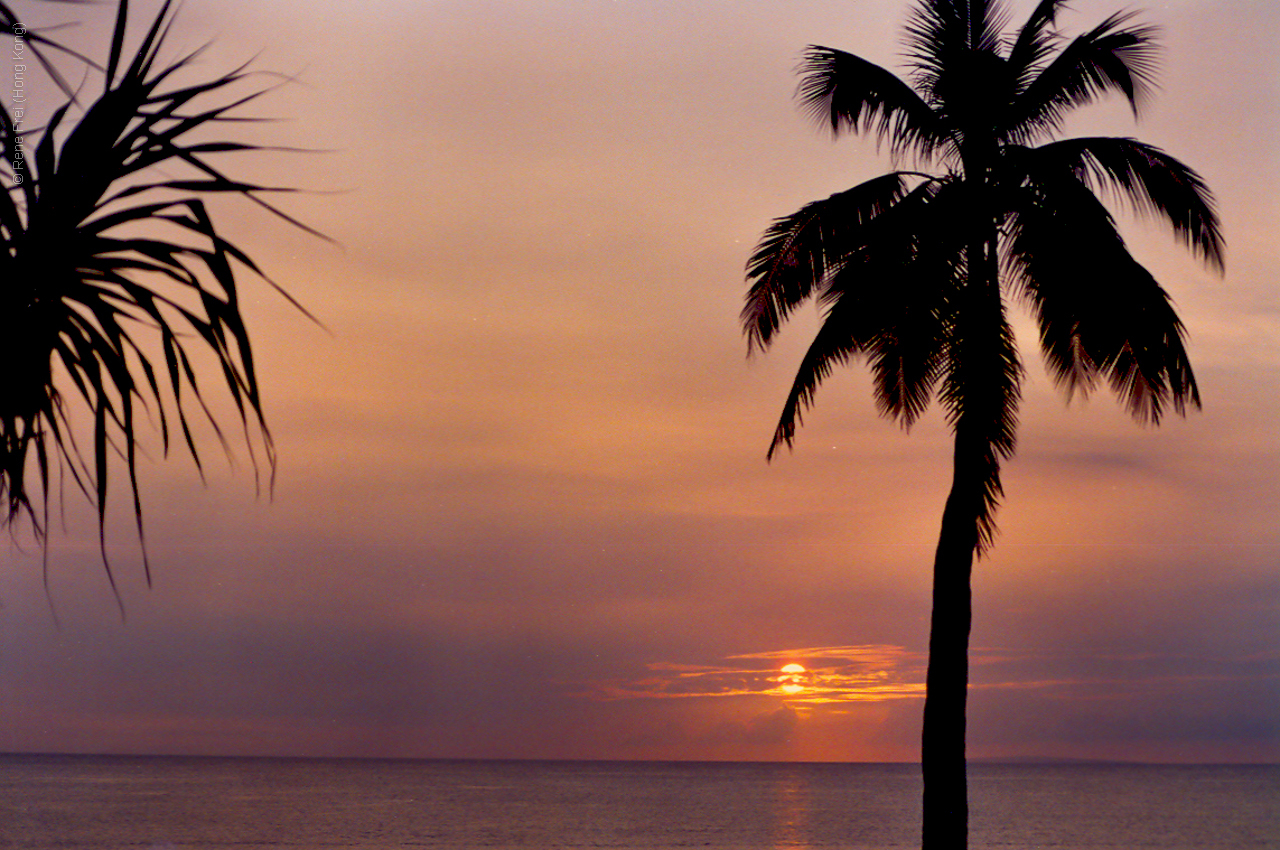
[[854, 674], [873, 673]]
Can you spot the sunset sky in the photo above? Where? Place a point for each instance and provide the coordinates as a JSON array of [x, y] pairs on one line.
[[522, 506]]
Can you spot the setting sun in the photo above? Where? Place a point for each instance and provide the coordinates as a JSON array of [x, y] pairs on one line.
[[792, 679]]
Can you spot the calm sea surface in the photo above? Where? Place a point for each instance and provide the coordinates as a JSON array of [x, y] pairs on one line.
[[78, 801]]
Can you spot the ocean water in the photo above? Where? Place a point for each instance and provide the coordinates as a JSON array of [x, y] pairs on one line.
[[247, 804]]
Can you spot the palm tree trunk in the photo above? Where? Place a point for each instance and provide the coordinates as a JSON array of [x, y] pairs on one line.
[[942, 756], [980, 376]]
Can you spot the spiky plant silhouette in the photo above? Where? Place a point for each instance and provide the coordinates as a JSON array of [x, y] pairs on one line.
[[115, 281], [913, 269]]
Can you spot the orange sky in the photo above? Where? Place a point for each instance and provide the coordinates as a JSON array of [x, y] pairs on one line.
[[523, 508]]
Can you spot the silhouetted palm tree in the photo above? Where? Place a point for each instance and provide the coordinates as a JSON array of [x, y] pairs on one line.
[[113, 273], [914, 269]]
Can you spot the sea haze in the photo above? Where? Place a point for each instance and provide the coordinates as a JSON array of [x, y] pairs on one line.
[[161, 802]]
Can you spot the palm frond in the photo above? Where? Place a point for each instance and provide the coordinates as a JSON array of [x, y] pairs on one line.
[[835, 343], [849, 93], [1152, 180], [799, 251], [940, 28], [1034, 43], [941, 34], [1100, 313], [884, 302], [111, 255], [907, 280], [905, 355], [1112, 57]]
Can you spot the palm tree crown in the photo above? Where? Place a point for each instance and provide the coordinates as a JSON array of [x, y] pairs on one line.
[[911, 266]]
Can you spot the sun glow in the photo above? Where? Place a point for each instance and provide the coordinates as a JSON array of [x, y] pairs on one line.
[[792, 679], [841, 675]]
